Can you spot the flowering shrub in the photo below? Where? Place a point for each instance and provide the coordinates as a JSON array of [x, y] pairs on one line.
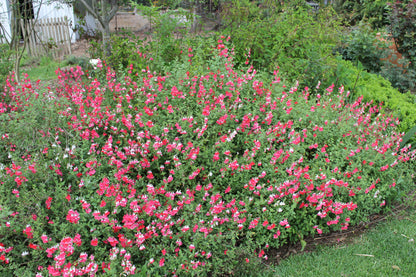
[[184, 174]]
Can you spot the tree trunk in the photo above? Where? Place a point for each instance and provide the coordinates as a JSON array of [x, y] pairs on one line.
[[104, 17], [106, 39]]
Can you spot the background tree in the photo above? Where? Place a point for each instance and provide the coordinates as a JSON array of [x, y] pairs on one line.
[[103, 11]]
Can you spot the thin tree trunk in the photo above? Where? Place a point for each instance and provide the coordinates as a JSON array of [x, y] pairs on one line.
[[104, 17]]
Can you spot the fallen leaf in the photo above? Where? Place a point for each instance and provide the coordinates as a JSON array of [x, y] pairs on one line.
[[396, 267]]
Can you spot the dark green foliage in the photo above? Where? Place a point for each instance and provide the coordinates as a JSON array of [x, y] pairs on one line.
[[371, 11], [402, 75], [403, 28], [362, 45], [6, 63], [373, 51]]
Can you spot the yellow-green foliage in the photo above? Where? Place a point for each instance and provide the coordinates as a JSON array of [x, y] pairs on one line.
[[376, 88]]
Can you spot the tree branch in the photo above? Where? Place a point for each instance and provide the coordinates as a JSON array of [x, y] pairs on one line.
[[93, 12], [112, 13]]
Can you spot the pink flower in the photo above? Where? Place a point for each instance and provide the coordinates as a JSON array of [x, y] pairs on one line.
[[222, 119], [51, 250], [253, 224], [28, 231], [283, 222], [113, 241], [72, 216], [44, 238], [275, 236], [94, 242], [77, 240]]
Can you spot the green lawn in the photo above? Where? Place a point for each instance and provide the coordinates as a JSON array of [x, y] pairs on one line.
[[389, 249]]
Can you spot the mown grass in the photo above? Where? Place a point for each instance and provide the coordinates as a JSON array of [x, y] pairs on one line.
[[389, 249], [41, 68]]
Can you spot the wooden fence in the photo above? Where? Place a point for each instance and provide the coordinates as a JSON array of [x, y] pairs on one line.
[[47, 36]]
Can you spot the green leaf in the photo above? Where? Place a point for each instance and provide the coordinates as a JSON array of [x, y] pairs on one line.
[[303, 243], [410, 134]]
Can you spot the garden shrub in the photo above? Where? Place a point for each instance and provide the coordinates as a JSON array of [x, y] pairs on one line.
[[362, 45], [32, 120], [370, 11], [6, 62], [296, 39], [375, 88], [168, 41], [124, 51], [184, 174], [401, 75]]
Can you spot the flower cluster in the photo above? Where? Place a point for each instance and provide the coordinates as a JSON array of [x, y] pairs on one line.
[[174, 174]]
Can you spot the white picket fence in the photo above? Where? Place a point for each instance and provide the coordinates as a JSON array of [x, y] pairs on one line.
[[48, 36]]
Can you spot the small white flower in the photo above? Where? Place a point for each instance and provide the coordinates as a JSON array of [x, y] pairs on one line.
[[94, 63]]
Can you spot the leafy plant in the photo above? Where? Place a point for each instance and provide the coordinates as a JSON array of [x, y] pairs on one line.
[[370, 11], [402, 75], [402, 28], [293, 38], [188, 174], [362, 45], [6, 62]]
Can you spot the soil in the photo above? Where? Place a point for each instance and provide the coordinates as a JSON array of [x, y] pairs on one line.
[[80, 48]]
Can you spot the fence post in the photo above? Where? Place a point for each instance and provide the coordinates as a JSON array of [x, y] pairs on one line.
[[45, 32]]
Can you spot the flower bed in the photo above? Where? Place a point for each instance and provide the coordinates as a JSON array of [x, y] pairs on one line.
[[186, 175]]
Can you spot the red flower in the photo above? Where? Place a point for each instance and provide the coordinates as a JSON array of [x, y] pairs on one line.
[[162, 262], [48, 203], [94, 242], [33, 246]]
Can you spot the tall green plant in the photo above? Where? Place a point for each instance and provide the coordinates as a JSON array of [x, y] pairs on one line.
[[295, 38], [6, 62], [362, 45], [373, 12]]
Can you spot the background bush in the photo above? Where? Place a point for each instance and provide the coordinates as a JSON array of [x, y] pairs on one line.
[[362, 45], [366, 48], [295, 38], [6, 62], [372, 12]]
